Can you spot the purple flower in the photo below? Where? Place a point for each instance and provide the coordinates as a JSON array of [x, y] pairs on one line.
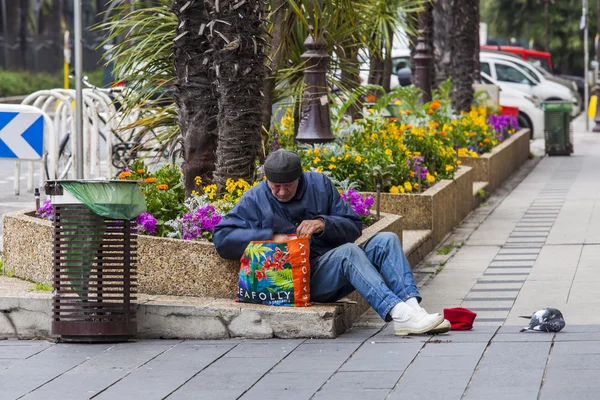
[[146, 223], [200, 223], [502, 123], [361, 205], [46, 211]]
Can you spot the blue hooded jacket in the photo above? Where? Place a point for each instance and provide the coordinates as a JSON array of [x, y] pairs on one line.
[[259, 215]]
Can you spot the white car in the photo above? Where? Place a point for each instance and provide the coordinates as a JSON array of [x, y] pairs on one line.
[[521, 75], [530, 115]]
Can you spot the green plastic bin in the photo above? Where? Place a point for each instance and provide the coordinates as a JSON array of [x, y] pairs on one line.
[[558, 133]]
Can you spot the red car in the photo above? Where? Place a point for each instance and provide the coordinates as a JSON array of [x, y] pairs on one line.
[[544, 58]]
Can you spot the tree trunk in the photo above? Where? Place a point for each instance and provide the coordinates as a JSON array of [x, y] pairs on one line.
[[442, 53], [239, 45], [279, 33], [351, 76], [463, 46], [387, 61], [195, 93], [23, 32], [376, 70]]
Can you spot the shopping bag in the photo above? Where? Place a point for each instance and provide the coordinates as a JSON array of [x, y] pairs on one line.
[[276, 274]]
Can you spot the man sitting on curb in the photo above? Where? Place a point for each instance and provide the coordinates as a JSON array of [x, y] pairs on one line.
[[308, 205]]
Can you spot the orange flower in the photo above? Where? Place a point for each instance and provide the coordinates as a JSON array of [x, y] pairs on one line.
[[150, 180], [430, 111], [124, 174], [162, 187], [370, 98], [435, 124], [443, 133], [140, 171], [486, 140], [435, 104], [408, 112], [393, 119]]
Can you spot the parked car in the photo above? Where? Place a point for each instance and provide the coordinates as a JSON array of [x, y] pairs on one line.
[[525, 77], [530, 116], [543, 58]]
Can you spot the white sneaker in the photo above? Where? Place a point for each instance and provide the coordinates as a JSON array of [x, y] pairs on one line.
[[441, 328], [418, 323]]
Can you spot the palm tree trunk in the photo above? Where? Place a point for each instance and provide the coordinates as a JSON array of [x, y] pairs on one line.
[[387, 61], [195, 93], [239, 46], [464, 45], [444, 20], [351, 76]]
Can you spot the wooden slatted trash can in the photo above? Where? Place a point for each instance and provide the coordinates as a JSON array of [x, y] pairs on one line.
[[94, 257]]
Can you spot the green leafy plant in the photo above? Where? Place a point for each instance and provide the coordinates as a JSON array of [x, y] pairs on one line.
[[445, 249], [41, 287]]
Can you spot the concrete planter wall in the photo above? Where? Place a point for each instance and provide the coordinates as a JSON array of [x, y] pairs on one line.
[[498, 165], [437, 209], [165, 267]]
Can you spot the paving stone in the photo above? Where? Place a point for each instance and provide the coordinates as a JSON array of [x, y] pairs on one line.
[[294, 394], [317, 357], [104, 369], [363, 380], [165, 373], [511, 263], [31, 373], [22, 352], [356, 334], [335, 393], [292, 381], [382, 357]]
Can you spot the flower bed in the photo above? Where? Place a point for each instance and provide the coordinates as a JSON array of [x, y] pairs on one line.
[[437, 209], [166, 266], [498, 165]]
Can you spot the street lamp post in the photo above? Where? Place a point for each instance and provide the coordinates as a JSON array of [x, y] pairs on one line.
[[315, 123], [423, 58]]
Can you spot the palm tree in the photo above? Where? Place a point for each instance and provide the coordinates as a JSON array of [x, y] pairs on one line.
[[237, 38], [195, 93], [465, 51]]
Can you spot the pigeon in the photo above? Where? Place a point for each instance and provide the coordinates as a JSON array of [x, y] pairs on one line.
[[546, 320]]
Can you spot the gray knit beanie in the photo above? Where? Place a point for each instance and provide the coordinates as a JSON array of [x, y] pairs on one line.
[[283, 166]]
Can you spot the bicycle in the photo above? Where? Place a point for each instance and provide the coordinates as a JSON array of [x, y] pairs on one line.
[[130, 143]]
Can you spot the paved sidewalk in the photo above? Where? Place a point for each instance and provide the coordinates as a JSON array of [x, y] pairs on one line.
[[537, 247]]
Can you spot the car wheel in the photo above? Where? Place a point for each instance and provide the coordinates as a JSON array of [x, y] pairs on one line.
[[525, 122]]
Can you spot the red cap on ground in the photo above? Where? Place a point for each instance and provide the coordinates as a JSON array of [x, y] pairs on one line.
[[460, 318]]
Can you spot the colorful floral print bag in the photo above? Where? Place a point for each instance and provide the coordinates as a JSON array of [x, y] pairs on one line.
[[276, 274]]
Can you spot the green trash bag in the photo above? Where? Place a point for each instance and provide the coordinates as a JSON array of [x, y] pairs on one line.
[[110, 200], [114, 200]]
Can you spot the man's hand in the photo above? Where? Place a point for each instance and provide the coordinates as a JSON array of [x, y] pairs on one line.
[[310, 227], [279, 238]]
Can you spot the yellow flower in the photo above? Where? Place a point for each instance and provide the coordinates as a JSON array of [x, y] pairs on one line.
[[194, 193], [319, 169], [358, 159], [371, 110], [316, 160], [397, 102], [332, 159], [408, 186], [309, 152], [449, 168], [388, 152], [198, 181], [211, 191], [416, 186], [318, 151], [430, 178], [394, 190], [339, 158], [331, 166]]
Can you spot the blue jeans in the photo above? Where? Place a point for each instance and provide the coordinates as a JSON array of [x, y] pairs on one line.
[[378, 269]]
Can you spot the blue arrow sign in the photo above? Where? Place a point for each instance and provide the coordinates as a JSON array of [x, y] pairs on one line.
[[21, 132]]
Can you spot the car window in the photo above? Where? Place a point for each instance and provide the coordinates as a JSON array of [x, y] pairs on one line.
[[540, 63], [506, 73], [485, 67]]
